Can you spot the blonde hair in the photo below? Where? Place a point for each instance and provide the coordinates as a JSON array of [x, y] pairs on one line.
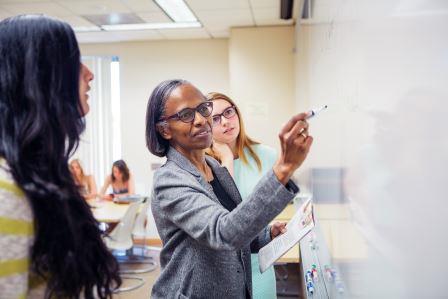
[[242, 141], [77, 161]]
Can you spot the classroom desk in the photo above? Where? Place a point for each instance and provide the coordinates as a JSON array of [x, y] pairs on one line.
[[108, 211]]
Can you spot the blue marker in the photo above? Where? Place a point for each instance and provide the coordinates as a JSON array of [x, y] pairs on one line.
[[314, 112], [310, 287], [309, 276]]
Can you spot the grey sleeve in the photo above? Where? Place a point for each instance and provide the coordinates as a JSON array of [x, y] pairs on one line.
[[264, 237], [186, 204]]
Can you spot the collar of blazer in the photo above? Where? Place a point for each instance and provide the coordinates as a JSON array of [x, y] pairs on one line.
[[220, 173]]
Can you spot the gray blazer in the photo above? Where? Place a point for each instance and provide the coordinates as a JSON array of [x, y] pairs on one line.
[[206, 250]]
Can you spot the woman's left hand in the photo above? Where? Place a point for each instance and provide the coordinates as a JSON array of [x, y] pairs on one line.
[[277, 229], [223, 151], [225, 154]]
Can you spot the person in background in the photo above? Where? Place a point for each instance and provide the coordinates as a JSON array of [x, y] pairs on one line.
[[120, 179], [247, 161], [50, 243], [206, 229], [86, 183]]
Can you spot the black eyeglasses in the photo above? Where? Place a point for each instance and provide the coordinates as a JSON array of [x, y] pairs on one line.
[[228, 113], [187, 115]]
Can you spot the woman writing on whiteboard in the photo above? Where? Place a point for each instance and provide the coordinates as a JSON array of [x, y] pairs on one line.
[[205, 227]]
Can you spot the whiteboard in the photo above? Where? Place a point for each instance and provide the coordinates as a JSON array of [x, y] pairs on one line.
[[382, 68]]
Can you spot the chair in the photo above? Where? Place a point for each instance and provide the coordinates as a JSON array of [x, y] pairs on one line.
[[142, 227], [120, 238], [140, 230], [124, 242]]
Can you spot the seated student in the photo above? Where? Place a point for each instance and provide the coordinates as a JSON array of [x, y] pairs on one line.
[[120, 179], [86, 183], [205, 227], [50, 243]]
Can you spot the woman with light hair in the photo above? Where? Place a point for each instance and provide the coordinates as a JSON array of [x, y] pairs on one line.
[[247, 161], [86, 183]]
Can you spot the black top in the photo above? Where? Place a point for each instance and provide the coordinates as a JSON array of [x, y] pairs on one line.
[[229, 204], [222, 195]]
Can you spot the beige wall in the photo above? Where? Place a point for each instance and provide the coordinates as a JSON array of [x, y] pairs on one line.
[[142, 66], [261, 67], [255, 67], [145, 64]]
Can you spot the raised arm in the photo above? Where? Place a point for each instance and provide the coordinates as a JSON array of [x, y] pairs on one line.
[[183, 201]]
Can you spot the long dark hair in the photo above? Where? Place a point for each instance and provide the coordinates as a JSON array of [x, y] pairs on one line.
[[40, 125], [123, 168], [156, 144]]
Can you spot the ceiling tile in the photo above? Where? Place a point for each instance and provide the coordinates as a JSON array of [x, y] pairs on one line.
[[220, 34], [142, 5], [21, 1], [217, 5], [216, 20], [184, 33], [216, 16], [265, 3], [91, 7], [269, 16], [48, 8], [76, 21], [266, 13], [154, 17]]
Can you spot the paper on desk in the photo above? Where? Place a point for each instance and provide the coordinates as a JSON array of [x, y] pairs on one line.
[[301, 223]]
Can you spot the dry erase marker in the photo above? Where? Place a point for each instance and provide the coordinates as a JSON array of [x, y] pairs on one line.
[[310, 287], [314, 112], [309, 276]]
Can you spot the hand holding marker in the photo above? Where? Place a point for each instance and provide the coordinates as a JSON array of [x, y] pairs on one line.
[[314, 112], [311, 114]]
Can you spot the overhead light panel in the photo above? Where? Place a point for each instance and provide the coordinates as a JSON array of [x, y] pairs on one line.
[[177, 10], [114, 19]]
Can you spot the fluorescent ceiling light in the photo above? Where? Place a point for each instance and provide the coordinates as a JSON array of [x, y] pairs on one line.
[[177, 10], [86, 29], [146, 26]]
